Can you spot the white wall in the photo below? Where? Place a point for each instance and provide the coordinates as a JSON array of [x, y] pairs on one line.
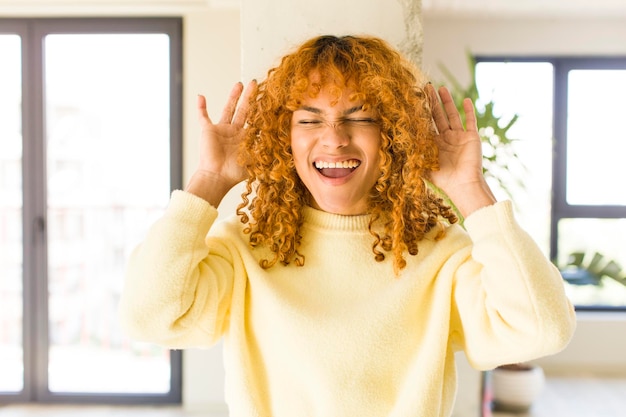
[[212, 64], [270, 28], [446, 39]]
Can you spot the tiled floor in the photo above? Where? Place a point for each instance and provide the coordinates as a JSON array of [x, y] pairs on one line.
[[563, 397]]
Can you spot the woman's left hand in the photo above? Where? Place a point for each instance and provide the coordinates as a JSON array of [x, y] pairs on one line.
[[460, 173]]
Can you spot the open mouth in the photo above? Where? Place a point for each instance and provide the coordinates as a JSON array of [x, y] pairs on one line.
[[337, 169]]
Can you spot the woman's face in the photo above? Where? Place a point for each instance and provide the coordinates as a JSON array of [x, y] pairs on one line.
[[335, 149]]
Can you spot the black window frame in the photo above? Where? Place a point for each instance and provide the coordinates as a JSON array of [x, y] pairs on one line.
[[560, 208], [35, 321]]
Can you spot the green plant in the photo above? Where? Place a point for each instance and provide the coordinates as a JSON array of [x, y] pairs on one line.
[[499, 154], [578, 271]]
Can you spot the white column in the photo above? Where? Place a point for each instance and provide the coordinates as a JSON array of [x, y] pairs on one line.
[[271, 28]]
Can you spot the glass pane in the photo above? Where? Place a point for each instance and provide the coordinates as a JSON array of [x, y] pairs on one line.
[[524, 89], [11, 271], [107, 134], [595, 144], [596, 254]]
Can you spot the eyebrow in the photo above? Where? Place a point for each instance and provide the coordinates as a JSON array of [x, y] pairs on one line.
[[320, 112]]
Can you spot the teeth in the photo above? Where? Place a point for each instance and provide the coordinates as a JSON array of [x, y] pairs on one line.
[[352, 163]]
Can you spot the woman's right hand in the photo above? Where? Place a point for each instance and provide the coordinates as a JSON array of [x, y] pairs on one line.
[[218, 170]]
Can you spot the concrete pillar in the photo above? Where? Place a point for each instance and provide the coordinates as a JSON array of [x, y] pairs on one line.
[[271, 28]]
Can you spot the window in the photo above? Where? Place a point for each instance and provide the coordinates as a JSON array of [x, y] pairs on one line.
[[90, 148], [569, 141], [11, 357]]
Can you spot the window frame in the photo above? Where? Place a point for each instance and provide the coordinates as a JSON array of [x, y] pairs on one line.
[[35, 281], [560, 208]]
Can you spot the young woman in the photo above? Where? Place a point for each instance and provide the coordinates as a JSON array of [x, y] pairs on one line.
[[344, 285]]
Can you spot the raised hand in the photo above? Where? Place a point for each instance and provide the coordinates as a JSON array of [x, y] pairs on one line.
[[460, 153], [218, 170]]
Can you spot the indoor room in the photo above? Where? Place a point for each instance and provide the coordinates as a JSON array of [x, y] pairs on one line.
[[98, 124]]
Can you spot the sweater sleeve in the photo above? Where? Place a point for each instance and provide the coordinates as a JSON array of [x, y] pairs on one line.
[[177, 290], [510, 299]]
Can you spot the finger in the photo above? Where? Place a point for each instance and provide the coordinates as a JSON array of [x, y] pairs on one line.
[[441, 122], [203, 115], [244, 104], [452, 113], [471, 123], [231, 104]]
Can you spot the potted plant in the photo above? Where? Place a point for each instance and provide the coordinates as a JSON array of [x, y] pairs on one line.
[[515, 387]]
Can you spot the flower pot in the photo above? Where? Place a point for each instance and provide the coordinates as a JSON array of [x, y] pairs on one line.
[[515, 387]]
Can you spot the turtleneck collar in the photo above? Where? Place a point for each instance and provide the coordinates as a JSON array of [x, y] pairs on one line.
[[324, 220]]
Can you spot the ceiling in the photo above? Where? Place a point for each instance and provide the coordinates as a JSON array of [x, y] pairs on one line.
[[506, 8], [527, 8], [437, 8]]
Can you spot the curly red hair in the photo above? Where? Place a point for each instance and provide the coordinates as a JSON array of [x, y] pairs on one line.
[[402, 207]]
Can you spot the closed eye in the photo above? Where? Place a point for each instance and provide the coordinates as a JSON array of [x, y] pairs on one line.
[[347, 122], [360, 120]]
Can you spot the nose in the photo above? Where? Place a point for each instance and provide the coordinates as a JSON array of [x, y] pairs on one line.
[[335, 135]]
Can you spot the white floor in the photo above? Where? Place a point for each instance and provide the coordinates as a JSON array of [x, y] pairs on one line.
[[562, 397], [579, 397]]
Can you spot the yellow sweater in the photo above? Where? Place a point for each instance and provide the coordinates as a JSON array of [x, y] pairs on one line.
[[342, 336]]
